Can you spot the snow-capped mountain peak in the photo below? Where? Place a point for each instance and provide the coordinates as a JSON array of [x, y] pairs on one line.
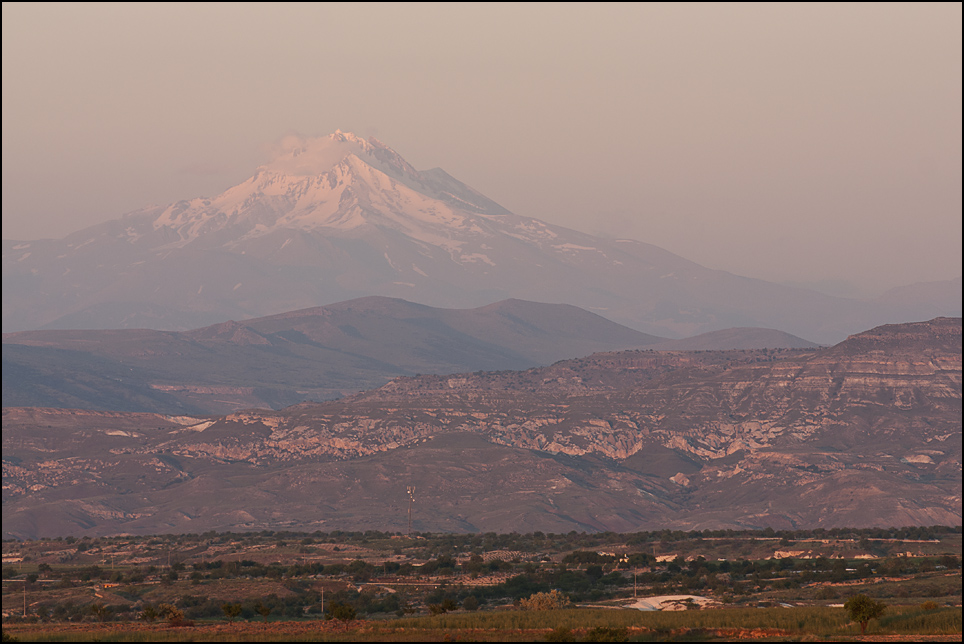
[[337, 182], [335, 217], [310, 157]]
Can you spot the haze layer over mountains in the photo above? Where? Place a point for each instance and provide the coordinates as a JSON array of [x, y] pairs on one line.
[[337, 217]]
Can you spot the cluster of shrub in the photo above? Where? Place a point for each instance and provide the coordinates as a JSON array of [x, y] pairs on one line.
[[527, 542], [915, 533], [198, 607], [583, 576], [533, 587]]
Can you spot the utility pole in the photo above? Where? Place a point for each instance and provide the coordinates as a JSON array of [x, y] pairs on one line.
[[634, 581]]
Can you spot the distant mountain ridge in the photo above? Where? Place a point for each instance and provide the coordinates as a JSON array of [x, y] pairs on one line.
[[926, 299], [739, 338], [311, 354], [334, 218]]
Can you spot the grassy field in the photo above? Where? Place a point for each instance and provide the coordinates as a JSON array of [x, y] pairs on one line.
[[772, 624]]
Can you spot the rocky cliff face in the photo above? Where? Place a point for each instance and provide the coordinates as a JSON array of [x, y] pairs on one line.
[[867, 432]]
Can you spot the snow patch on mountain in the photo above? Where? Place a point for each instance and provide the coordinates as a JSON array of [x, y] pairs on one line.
[[573, 247], [477, 257]]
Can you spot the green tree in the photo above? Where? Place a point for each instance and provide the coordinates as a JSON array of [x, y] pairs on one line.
[[342, 612], [263, 610], [862, 609], [149, 614], [102, 612], [231, 611], [174, 615]]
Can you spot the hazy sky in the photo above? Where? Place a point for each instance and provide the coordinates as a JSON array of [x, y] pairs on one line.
[[788, 142]]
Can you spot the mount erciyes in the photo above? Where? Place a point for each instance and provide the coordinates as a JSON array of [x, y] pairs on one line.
[[337, 217]]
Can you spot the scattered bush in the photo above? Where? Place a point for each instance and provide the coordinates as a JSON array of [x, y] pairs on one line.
[[545, 601], [604, 634]]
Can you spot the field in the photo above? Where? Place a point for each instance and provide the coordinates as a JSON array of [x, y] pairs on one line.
[[772, 624], [373, 586]]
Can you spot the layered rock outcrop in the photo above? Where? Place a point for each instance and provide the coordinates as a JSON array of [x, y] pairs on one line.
[[866, 432]]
